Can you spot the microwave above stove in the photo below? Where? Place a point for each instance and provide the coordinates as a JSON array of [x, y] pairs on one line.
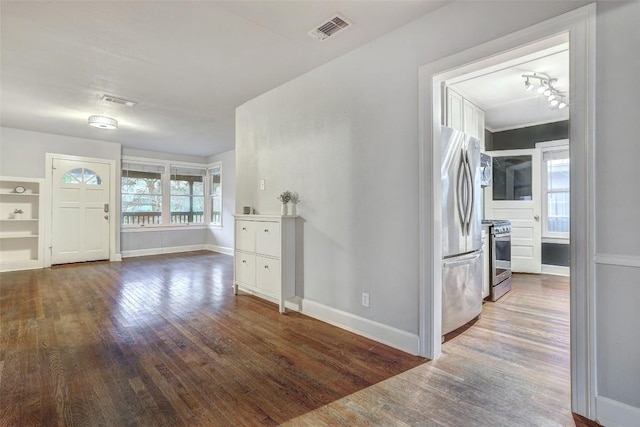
[[485, 170]]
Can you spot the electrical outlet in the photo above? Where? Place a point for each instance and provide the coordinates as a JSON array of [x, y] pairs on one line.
[[365, 299], [262, 184]]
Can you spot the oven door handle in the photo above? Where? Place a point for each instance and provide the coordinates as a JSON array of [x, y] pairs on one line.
[[462, 210]]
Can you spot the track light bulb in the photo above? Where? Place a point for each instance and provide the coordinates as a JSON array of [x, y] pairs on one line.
[[554, 102], [541, 88], [551, 97], [527, 85], [562, 105]]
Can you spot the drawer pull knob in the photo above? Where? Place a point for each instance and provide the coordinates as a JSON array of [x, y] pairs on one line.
[[244, 228], [244, 261], [266, 231], [266, 266]]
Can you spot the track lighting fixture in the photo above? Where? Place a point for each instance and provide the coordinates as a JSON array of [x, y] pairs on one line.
[[553, 95]]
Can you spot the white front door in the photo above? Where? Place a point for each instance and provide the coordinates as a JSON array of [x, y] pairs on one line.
[[80, 211], [515, 195]]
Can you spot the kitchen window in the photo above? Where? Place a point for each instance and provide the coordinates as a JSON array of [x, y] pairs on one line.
[[556, 191]]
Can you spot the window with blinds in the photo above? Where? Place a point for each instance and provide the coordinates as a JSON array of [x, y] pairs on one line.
[[141, 189], [187, 195]]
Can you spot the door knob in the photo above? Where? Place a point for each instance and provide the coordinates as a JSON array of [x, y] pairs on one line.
[[536, 217], [106, 217]]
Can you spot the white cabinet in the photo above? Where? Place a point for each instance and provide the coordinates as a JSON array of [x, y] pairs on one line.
[[465, 116], [265, 256], [455, 110], [20, 223]]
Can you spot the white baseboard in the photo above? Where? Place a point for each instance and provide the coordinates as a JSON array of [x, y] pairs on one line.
[[612, 413], [116, 258], [556, 270], [160, 251], [376, 331], [221, 249]]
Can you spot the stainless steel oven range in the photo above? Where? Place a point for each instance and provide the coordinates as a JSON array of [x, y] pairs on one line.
[[499, 257]]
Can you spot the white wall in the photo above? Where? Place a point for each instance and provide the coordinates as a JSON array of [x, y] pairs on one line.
[[222, 238], [22, 152], [618, 201], [345, 137]]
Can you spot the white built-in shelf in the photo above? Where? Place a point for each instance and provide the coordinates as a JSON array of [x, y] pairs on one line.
[[17, 236], [21, 246]]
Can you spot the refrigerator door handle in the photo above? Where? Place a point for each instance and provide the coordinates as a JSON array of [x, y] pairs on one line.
[[470, 193], [462, 209], [462, 259]]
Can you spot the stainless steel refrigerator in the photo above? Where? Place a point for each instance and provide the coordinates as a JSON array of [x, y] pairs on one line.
[[461, 229]]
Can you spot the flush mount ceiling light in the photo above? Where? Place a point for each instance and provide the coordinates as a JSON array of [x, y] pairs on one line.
[[554, 96], [103, 122]]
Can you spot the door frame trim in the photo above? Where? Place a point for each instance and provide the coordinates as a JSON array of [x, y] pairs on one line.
[[580, 27], [48, 209]]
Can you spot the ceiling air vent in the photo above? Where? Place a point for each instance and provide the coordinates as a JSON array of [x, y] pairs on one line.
[[119, 101], [329, 28]]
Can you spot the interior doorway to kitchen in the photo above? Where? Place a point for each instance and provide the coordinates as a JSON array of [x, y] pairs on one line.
[[524, 109], [576, 29]]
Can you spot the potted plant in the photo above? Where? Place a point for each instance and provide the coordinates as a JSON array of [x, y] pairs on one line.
[[284, 198], [17, 213]]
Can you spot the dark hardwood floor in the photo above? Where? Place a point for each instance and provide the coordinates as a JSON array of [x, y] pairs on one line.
[[163, 341], [510, 368]]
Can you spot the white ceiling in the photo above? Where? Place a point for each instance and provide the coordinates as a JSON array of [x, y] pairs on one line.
[[499, 91], [187, 64]]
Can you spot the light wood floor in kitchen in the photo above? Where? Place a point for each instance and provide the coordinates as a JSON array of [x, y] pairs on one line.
[[163, 341]]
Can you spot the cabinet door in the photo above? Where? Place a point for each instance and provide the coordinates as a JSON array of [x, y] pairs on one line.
[[455, 112], [480, 126], [268, 275], [469, 119], [245, 268], [268, 238], [246, 235]]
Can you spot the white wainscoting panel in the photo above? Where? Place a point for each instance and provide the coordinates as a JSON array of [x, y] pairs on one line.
[[620, 260]]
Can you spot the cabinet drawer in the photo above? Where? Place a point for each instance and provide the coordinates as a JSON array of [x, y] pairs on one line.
[[246, 235], [268, 275], [245, 268], [268, 238]]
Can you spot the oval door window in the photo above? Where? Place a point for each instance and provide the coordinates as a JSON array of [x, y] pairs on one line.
[[80, 176]]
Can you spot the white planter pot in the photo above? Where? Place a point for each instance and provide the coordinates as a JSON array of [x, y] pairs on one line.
[[285, 209]]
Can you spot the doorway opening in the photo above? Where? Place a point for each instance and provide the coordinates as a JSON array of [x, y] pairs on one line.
[[577, 29]]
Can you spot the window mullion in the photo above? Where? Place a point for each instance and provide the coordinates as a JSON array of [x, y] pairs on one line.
[[166, 195]]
